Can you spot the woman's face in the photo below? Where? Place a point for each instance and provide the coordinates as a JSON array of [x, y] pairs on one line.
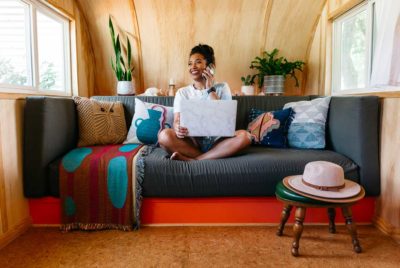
[[197, 64]]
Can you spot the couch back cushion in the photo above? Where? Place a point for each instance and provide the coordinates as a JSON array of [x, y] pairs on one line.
[[245, 104]]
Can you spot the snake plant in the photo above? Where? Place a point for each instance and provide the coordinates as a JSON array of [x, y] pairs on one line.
[[270, 64], [122, 71]]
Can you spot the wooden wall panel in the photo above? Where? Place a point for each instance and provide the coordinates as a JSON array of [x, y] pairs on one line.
[[291, 28], [169, 29], [85, 57], [388, 214], [14, 210], [66, 5], [315, 84], [165, 31], [96, 15]]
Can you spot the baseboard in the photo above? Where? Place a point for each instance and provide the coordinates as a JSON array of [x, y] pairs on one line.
[[387, 228], [15, 232]]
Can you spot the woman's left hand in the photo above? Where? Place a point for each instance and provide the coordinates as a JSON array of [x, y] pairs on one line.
[[210, 80]]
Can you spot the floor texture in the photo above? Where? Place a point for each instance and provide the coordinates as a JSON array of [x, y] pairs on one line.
[[199, 247]]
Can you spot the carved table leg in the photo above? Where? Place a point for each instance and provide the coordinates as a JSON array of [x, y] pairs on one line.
[[352, 228], [284, 217], [332, 215], [298, 229]]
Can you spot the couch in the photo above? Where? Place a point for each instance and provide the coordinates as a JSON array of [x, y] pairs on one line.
[[352, 136]]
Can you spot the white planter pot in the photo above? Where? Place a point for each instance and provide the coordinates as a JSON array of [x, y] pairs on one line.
[[247, 90], [126, 87]]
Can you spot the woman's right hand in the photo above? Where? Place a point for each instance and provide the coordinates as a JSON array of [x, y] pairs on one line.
[[181, 132]]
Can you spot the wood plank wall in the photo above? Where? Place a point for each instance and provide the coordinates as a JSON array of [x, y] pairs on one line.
[[318, 82], [165, 31], [14, 212]]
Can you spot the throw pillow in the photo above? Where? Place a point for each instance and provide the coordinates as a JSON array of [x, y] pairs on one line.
[[307, 130], [100, 122], [149, 119], [269, 128]]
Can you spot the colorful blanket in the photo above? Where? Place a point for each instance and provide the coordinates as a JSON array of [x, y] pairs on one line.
[[99, 188]]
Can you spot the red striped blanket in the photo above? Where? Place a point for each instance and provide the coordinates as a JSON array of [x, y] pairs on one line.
[[98, 188]]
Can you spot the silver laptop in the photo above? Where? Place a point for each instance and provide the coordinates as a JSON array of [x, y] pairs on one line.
[[215, 118]]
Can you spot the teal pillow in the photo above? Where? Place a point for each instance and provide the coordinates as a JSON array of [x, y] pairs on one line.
[[149, 119]]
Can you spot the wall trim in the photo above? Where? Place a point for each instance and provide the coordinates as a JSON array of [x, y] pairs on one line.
[[15, 232], [343, 9], [387, 228]]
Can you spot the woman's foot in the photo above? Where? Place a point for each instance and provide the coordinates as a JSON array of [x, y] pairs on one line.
[[179, 156]]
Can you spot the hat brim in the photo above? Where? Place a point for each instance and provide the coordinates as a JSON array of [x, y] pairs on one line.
[[352, 191]]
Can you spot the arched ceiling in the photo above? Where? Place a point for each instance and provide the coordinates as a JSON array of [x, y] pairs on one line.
[[164, 31]]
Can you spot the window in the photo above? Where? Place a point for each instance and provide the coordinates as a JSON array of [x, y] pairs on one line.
[[34, 48], [365, 44]]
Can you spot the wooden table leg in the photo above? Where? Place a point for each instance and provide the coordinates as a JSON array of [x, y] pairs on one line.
[[284, 217], [298, 229], [332, 215], [352, 228]]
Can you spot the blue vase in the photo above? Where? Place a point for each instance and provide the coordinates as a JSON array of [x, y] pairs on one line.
[[147, 129]]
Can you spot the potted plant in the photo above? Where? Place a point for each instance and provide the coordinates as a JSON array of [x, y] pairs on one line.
[[272, 71], [122, 68], [248, 82]]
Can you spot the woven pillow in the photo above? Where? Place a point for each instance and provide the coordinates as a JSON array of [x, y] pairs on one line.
[[100, 122], [149, 119], [307, 130], [269, 128]]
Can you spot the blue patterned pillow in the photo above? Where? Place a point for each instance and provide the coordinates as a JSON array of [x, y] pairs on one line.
[[307, 130], [270, 128]]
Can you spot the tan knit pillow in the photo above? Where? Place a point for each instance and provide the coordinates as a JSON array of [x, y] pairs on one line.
[[100, 122]]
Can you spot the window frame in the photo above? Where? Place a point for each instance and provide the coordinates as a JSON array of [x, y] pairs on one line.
[[35, 6], [336, 51], [369, 7]]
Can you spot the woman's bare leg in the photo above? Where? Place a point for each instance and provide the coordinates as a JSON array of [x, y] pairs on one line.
[[228, 146], [179, 148]]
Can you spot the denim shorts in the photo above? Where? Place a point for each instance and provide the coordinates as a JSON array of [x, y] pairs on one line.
[[206, 143]]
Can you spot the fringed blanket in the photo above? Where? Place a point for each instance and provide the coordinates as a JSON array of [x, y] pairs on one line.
[[99, 187]]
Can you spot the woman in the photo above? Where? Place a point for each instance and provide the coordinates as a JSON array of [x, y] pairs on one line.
[[176, 140]]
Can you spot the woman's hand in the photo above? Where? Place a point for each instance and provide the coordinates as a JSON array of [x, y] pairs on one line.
[[181, 132], [210, 80]]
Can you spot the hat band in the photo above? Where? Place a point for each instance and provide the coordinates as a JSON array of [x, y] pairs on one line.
[[323, 188]]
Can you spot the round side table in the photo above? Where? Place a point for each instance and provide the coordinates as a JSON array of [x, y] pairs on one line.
[[291, 199]]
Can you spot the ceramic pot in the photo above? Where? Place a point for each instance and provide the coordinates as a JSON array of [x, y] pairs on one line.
[[274, 84], [126, 87], [248, 90]]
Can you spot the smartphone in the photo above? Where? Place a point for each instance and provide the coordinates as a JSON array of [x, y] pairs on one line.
[[211, 68]]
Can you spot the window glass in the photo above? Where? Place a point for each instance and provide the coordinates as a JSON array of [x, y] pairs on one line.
[[353, 48], [51, 49], [15, 58]]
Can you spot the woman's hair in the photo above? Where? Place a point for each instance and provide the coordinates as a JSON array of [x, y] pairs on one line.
[[206, 51]]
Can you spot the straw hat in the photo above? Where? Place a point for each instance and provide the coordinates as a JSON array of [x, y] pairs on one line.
[[322, 180]]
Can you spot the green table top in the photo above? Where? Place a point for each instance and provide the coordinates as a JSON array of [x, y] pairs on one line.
[[282, 192]]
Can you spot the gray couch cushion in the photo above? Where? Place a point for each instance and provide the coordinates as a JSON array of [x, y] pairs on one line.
[[253, 173], [50, 130]]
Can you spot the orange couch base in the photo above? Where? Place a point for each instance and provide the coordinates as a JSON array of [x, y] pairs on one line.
[[192, 211]]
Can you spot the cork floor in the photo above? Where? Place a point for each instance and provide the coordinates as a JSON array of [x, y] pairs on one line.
[[199, 247]]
